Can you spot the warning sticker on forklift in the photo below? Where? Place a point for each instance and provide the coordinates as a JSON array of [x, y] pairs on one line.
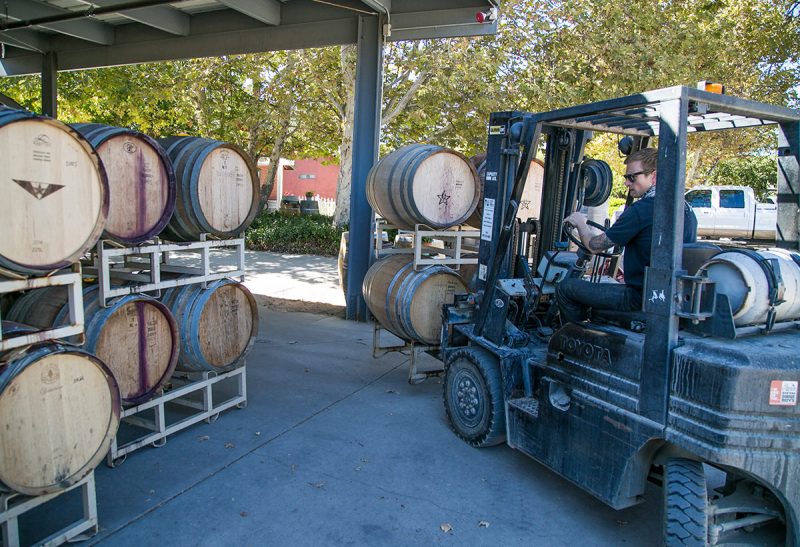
[[783, 393], [488, 219], [482, 269], [497, 129]]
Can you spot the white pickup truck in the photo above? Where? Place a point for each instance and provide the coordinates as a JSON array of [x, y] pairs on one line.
[[732, 212]]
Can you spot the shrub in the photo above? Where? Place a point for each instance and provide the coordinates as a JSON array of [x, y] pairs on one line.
[[296, 234]]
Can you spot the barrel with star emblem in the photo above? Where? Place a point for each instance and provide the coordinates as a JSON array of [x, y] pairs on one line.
[[423, 184], [53, 194]]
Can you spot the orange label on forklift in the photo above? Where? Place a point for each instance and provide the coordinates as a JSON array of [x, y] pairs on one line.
[[783, 393]]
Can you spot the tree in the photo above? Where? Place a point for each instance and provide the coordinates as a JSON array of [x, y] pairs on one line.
[[758, 172]]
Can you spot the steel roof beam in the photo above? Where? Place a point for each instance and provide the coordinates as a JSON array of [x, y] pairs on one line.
[[266, 11], [26, 39], [164, 18], [91, 31]]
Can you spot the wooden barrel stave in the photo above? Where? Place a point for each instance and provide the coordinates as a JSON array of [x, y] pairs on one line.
[[136, 336], [59, 412], [217, 325], [141, 182], [56, 197], [408, 303], [423, 184]]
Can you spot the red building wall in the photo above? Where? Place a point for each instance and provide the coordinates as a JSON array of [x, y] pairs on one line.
[[309, 176]]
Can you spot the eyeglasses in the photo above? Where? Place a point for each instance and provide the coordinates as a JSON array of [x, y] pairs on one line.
[[630, 177]]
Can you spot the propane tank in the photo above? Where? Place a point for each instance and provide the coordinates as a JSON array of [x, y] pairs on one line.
[[741, 276]]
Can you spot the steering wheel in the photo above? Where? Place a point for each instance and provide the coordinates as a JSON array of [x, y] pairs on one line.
[[569, 232]]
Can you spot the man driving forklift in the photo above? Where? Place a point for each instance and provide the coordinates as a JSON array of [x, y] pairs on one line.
[[633, 230]]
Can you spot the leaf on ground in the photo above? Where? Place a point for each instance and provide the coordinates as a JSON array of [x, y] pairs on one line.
[[203, 438], [317, 484], [483, 524], [229, 445], [243, 514], [292, 341], [446, 528]]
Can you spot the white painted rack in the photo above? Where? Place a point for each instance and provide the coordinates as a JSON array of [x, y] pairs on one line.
[[140, 267], [183, 386], [451, 253], [72, 281], [410, 348], [16, 505]]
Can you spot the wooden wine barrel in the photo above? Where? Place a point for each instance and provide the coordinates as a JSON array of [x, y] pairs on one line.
[[217, 188], [530, 206], [136, 336], [217, 325], [423, 184], [59, 412], [409, 303], [141, 182], [54, 193]]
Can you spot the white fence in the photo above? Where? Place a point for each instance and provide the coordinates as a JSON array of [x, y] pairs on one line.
[[327, 206]]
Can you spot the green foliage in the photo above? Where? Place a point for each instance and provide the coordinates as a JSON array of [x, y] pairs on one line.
[[297, 234], [614, 203], [758, 172]]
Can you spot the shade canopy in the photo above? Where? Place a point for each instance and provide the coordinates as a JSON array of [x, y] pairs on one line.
[[97, 33]]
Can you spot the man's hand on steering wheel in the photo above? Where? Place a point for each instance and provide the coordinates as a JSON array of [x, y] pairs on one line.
[[578, 221]]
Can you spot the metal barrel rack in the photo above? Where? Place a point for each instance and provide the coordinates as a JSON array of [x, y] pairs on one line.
[[182, 392], [138, 269], [16, 505], [451, 254], [127, 270], [75, 326]]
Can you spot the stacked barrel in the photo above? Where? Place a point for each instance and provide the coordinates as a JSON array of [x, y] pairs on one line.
[[418, 184], [59, 405], [64, 187]]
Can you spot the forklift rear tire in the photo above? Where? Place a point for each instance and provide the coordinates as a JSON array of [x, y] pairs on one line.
[[685, 503], [473, 397]]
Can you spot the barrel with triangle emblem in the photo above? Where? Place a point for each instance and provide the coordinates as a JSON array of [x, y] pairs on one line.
[[53, 193]]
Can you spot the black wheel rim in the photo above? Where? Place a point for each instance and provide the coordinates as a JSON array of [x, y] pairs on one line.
[[469, 403]]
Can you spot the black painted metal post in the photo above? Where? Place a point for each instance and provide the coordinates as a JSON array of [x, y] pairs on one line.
[[665, 260], [366, 132], [50, 84], [789, 186]]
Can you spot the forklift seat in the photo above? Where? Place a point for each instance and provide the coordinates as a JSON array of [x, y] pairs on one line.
[[694, 255]]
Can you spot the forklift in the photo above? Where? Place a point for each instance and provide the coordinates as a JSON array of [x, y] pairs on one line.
[[683, 393]]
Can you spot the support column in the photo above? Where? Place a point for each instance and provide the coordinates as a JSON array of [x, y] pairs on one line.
[[665, 257], [50, 84], [366, 131]]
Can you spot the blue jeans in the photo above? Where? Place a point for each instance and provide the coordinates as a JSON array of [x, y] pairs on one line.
[[575, 297]]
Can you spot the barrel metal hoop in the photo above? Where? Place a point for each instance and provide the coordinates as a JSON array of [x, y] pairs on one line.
[[393, 306]]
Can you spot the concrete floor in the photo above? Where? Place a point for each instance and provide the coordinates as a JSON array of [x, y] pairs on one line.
[[336, 448]]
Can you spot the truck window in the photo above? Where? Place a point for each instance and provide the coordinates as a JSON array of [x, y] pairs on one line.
[[699, 198], [731, 199]]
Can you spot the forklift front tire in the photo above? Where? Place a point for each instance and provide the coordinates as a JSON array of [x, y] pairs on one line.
[[473, 397], [685, 504]]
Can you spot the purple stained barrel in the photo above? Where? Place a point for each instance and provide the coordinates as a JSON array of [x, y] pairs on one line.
[[140, 178], [136, 336]]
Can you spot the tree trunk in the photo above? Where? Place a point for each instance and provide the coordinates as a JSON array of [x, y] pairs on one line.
[[344, 184]]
